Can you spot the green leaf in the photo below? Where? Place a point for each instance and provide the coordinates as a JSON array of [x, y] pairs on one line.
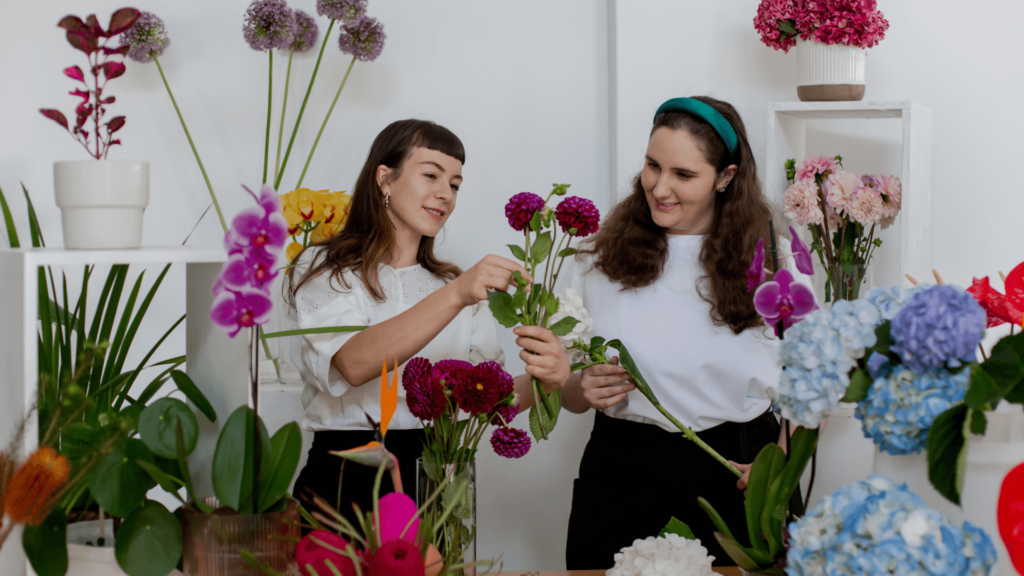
[[46, 545], [789, 27], [626, 361], [535, 429], [1003, 365], [551, 304], [233, 460], [149, 541], [860, 384], [677, 527], [560, 189], [947, 451], [519, 299], [983, 390], [884, 343], [541, 248], [501, 307], [757, 491], [978, 422], [567, 252], [117, 483], [185, 474], [563, 326], [33, 221], [304, 331], [518, 252], [535, 221], [12, 231], [277, 473], [194, 395], [773, 517], [735, 551], [157, 427], [170, 484]]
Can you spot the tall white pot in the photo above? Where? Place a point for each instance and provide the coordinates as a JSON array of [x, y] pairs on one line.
[[101, 202], [829, 72]]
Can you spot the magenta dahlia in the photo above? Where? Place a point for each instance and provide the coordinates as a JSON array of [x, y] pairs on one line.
[[447, 370], [578, 213], [425, 397], [476, 390], [510, 442], [502, 414], [415, 369], [521, 208], [505, 382]]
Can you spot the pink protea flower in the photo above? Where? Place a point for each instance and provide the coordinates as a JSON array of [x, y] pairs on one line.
[[866, 206], [521, 208], [801, 254], [783, 300], [246, 307], [396, 510], [310, 551], [815, 165], [840, 188], [510, 442], [801, 204], [578, 213], [770, 15], [425, 397], [755, 274]]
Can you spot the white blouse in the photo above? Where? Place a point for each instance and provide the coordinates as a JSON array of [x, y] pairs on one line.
[[331, 402], [702, 374]]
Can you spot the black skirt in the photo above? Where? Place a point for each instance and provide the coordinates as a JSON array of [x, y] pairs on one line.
[[323, 471], [634, 477]]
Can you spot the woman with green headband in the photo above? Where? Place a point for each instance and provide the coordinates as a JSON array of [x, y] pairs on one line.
[[666, 275]]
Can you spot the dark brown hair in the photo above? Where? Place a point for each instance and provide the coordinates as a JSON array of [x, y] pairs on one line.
[[631, 249], [368, 238]]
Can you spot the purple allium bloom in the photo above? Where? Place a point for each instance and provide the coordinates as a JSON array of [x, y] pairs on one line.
[[939, 327], [503, 414], [269, 24], [426, 398], [783, 300], [578, 213], [363, 38], [342, 10], [755, 274], [801, 254], [234, 310], [510, 442], [146, 38], [521, 208], [414, 370], [307, 32]]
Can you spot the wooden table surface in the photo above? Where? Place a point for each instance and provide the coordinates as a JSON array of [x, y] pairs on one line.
[[728, 571]]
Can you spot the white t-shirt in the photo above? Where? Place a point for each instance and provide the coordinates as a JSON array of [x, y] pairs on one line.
[[332, 403], [702, 374]]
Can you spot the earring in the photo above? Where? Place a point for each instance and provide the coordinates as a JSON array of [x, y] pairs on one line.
[[722, 189], [387, 200]]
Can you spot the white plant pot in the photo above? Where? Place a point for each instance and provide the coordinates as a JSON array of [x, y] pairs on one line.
[[101, 202], [829, 72]]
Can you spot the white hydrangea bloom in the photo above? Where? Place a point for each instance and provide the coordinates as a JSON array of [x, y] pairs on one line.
[[571, 304], [671, 555]]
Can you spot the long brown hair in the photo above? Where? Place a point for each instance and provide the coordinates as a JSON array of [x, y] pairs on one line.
[[631, 249], [368, 238]]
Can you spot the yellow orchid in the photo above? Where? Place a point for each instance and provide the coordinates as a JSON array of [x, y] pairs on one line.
[[292, 251], [299, 206], [333, 210]]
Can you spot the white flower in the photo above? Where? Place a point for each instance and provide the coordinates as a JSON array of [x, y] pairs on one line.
[[671, 555], [571, 304]]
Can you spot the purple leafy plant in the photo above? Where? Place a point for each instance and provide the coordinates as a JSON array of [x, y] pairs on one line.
[[92, 39]]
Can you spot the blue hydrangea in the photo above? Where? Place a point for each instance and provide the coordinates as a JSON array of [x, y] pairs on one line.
[[875, 526], [900, 408], [938, 327], [888, 300]]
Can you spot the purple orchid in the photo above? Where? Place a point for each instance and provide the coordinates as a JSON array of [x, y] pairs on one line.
[[261, 229], [234, 310], [783, 300], [801, 254], [243, 269], [755, 274]]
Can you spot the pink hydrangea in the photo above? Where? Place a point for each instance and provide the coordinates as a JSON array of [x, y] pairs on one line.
[[849, 22], [800, 203], [770, 15], [814, 165], [840, 189], [892, 191], [866, 206]]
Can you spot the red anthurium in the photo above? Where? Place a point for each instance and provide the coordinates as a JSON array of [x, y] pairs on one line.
[[1010, 515], [997, 310], [1015, 289]]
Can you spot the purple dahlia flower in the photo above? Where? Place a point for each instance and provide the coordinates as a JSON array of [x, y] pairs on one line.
[[578, 213], [510, 442], [521, 208]]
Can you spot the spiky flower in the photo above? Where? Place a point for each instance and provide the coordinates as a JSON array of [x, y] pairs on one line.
[[146, 38]]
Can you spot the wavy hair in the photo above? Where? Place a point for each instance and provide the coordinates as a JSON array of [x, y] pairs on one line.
[[631, 249], [368, 238]]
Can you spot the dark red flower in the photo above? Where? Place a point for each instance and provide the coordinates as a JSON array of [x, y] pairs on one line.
[[1010, 515], [505, 381], [1015, 291], [414, 370], [397, 558], [997, 310], [510, 442], [425, 397], [502, 414], [447, 369], [476, 390], [578, 213], [521, 208]]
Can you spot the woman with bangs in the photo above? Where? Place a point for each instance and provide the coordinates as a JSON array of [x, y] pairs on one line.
[[380, 271], [666, 275]]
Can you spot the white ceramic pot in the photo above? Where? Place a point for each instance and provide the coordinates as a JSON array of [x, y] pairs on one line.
[[829, 72], [101, 202]]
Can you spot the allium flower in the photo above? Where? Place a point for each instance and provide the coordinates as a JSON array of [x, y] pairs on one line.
[[506, 384], [900, 409], [234, 310], [801, 254], [783, 300], [669, 555], [840, 189], [521, 208], [801, 203], [341, 10], [363, 38], [476, 390], [510, 442], [306, 32], [874, 526], [866, 207], [997, 310], [770, 13], [425, 397], [503, 414], [31, 489], [578, 213], [146, 38], [938, 327], [756, 273], [269, 24], [311, 553], [813, 166], [415, 369], [570, 304]]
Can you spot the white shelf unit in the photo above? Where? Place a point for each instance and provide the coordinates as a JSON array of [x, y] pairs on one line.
[[218, 365]]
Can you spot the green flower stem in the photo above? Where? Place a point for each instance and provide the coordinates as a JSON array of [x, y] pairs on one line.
[[209, 186], [324, 125], [284, 106], [690, 435], [270, 102], [291, 141]]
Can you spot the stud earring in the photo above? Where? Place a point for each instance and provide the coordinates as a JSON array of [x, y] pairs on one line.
[[722, 189], [387, 200]]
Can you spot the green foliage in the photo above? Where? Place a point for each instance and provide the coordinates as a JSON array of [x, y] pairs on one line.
[[677, 527], [45, 545], [276, 473], [860, 384], [947, 451], [158, 422], [117, 482], [149, 541], [233, 466]]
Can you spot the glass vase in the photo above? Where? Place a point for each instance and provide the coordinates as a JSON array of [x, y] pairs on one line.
[[455, 537], [212, 544], [849, 282]]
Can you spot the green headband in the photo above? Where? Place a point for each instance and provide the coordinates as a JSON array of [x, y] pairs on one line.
[[705, 113]]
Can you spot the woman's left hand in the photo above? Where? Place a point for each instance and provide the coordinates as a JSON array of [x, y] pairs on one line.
[[544, 355], [745, 468]]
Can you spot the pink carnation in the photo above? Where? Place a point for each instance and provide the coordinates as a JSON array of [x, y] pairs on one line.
[[814, 165], [866, 206], [770, 14], [849, 22], [800, 203], [840, 189]]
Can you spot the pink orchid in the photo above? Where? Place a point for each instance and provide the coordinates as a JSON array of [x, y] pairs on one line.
[[783, 300], [755, 274], [244, 308], [801, 254], [396, 510], [245, 269], [262, 228]]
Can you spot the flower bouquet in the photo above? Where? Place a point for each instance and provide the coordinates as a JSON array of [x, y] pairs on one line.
[[848, 22], [842, 211], [537, 305]]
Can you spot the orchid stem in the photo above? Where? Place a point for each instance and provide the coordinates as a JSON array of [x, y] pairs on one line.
[[284, 106], [209, 186], [270, 102], [324, 125], [302, 109], [690, 435]]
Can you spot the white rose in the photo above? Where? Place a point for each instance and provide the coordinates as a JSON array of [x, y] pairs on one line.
[[570, 304]]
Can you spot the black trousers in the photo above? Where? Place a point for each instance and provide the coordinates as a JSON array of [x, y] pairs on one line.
[[634, 477], [323, 471]]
